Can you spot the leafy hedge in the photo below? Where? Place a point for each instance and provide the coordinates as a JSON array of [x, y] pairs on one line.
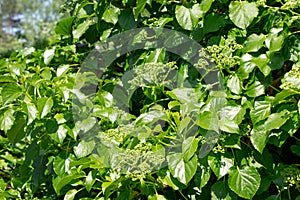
[[164, 145]]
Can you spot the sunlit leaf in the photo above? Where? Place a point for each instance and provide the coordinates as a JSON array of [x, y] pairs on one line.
[[244, 181], [242, 13]]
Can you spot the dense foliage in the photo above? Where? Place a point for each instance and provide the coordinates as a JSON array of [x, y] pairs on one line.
[[164, 146]]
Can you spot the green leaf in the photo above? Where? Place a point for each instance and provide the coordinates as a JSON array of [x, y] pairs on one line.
[[111, 15], [62, 70], [205, 5], [242, 13], [126, 20], [188, 17], [281, 96], [17, 132], [208, 121], [59, 182], [232, 141], [296, 149], [220, 190], [255, 89], [274, 43], [44, 106], [213, 22], [228, 126], [140, 6], [258, 138], [220, 165], [60, 134], [244, 181], [262, 63], [48, 55], [31, 111], [276, 120], [260, 133], [90, 180], [299, 106], [156, 197], [51, 126], [254, 42], [64, 26], [261, 110], [203, 173], [7, 79], [70, 195], [189, 147], [234, 84], [84, 148], [10, 92], [7, 120], [183, 171], [235, 113], [82, 28]]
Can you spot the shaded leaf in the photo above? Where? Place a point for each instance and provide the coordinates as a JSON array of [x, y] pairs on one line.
[[64, 26], [17, 132]]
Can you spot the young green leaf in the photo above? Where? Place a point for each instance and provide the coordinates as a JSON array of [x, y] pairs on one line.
[[111, 14]]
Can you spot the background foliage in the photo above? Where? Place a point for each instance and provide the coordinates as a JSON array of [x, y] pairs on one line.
[[256, 50], [27, 23]]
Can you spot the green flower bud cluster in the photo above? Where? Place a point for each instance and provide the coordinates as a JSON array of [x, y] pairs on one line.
[[291, 176], [135, 161], [218, 149], [152, 73], [291, 80], [223, 55]]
